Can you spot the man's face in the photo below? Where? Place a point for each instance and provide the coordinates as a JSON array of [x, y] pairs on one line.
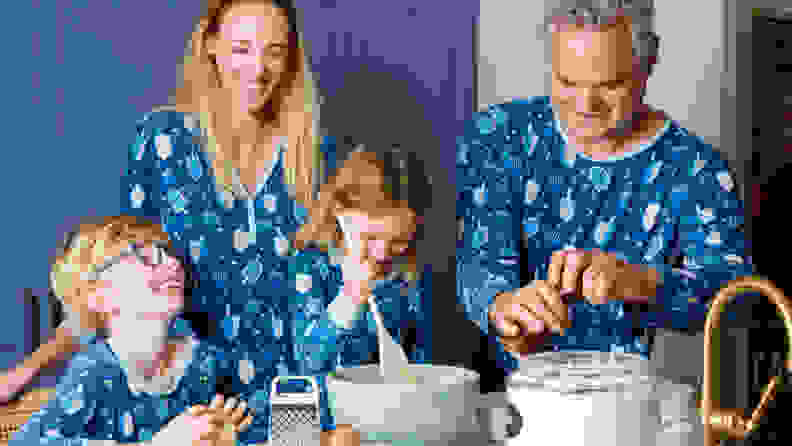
[[144, 289], [596, 86]]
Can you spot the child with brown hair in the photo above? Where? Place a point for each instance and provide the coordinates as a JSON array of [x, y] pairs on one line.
[[134, 385], [359, 244]]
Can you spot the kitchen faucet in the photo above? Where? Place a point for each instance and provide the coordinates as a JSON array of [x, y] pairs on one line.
[[720, 424]]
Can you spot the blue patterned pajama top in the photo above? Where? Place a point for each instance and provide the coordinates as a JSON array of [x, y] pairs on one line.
[[345, 334], [98, 400], [237, 245], [521, 195]]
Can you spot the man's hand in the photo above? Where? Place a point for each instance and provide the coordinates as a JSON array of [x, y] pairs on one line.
[[600, 277], [524, 317]]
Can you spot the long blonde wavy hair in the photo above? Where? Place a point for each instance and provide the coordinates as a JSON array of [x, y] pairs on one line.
[[297, 114]]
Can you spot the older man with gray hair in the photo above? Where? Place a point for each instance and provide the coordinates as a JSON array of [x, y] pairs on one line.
[[626, 220]]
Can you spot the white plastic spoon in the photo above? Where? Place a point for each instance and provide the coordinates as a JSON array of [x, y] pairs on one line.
[[393, 363]]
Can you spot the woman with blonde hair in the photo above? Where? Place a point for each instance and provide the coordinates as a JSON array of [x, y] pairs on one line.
[[229, 170]]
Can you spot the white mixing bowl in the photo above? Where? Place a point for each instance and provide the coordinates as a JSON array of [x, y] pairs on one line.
[[443, 406]]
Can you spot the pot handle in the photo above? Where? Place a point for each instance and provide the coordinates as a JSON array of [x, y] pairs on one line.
[[500, 428]]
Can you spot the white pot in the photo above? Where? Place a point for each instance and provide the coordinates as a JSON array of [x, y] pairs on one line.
[[443, 407], [595, 398]]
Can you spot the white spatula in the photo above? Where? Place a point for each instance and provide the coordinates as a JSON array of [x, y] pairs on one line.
[[393, 363]]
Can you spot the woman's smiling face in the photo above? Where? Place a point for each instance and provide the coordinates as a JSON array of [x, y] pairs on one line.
[[252, 51]]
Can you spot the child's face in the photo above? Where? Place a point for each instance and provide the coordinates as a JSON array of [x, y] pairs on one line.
[[143, 288], [380, 238]]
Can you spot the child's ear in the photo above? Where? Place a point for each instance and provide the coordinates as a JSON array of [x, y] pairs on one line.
[[99, 298]]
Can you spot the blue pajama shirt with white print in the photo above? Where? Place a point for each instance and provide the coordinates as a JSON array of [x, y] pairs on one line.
[[519, 186], [345, 334], [94, 402], [238, 247]]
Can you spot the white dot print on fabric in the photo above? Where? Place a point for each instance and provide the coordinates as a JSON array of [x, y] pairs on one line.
[[242, 239], [697, 165], [480, 195], [725, 180], [247, 371], [190, 123], [604, 231], [164, 147], [128, 424], [303, 283], [529, 140], [531, 191], [705, 215], [650, 216], [281, 246], [269, 202], [226, 198], [137, 196], [733, 259], [196, 246], [567, 207], [714, 239]]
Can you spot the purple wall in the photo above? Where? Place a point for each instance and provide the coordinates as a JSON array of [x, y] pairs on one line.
[[79, 73]]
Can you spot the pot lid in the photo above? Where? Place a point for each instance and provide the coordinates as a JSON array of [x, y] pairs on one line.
[[582, 371]]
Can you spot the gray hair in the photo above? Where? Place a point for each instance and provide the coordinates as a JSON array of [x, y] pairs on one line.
[[606, 12]]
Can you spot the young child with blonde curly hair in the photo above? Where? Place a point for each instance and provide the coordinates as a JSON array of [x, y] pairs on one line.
[[136, 384]]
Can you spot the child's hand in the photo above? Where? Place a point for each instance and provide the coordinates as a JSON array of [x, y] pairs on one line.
[[201, 430], [359, 268], [12, 382], [359, 274], [231, 413], [215, 425]]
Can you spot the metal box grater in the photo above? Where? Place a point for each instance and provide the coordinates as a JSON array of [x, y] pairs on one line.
[[294, 417]]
